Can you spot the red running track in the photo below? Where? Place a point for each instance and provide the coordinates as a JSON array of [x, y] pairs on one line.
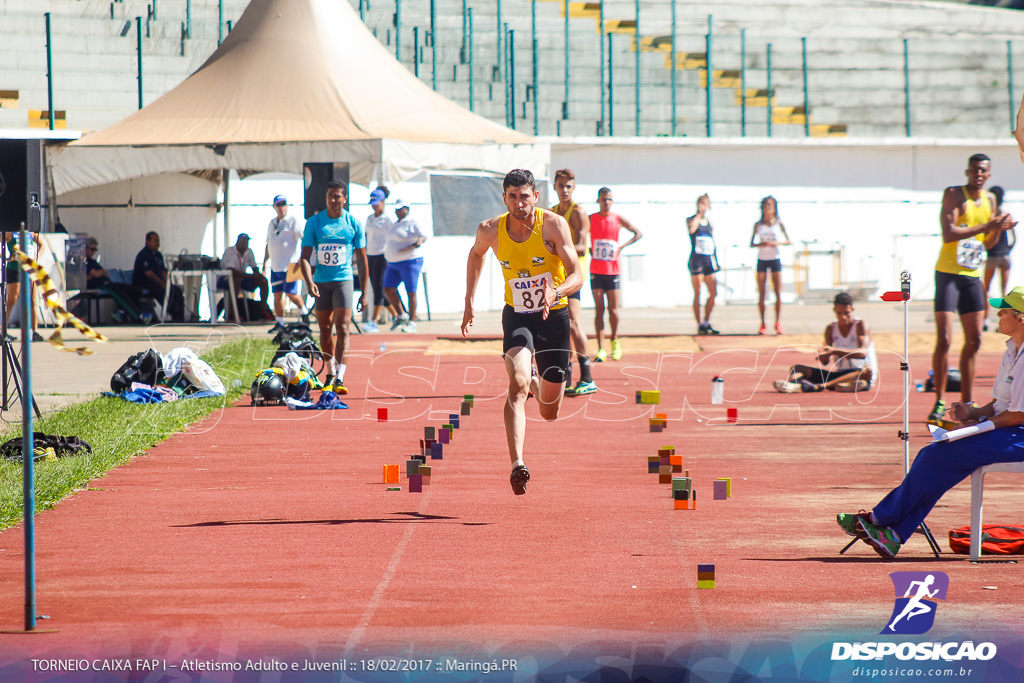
[[268, 530]]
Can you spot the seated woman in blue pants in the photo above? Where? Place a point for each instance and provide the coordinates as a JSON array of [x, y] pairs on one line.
[[940, 466]]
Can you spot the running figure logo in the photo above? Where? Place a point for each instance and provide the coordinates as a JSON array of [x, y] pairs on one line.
[[916, 593]]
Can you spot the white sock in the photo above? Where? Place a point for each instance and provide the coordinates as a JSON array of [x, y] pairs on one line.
[[280, 320], [339, 373], [517, 463], [334, 367]]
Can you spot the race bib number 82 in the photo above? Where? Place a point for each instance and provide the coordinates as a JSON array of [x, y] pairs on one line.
[[528, 293]]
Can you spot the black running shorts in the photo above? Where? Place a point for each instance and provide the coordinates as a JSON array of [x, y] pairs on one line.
[[774, 265], [605, 282], [703, 264], [958, 293], [547, 339]]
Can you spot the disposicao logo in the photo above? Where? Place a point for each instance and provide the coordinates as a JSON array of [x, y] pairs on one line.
[[913, 614], [916, 595]]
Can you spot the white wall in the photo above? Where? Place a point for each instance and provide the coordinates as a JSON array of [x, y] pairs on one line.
[[878, 200]]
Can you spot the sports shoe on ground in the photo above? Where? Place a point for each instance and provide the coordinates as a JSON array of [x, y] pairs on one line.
[[710, 330], [328, 381], [519, 477], [881, 539], [810, 387], [784, 387], [984, 326], [305, 318], [399, 321], [339, 388], [409, 327], [119, 316], [599, 358], [276, 328], [703, 329], [616, 350], [762, 329], [370, 327], [37, 337], [938, 410], [778, 328], [848, 523], [581, 388]]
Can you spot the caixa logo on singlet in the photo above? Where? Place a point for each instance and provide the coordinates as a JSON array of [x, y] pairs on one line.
[[913, 613]]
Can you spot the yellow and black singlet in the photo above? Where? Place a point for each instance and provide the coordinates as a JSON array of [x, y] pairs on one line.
[[526, 265], [967, 256]]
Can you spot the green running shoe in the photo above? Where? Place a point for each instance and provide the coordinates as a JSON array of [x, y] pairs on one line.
[[881, 539], [581, 388], [848, 522], [938, 410]]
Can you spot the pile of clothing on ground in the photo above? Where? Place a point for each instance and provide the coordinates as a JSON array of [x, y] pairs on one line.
[[152, 377]]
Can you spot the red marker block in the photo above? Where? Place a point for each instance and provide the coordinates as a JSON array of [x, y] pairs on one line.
[[382, 414], [733, 415], [893, 296]]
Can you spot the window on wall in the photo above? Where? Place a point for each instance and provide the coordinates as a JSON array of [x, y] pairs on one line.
[[635, 267]]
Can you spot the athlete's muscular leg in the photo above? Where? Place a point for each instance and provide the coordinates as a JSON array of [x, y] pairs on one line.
[[342, 318], [549, 399], [695, 280], [518, 362], [971, 323], [599, 317], [279, 304], [762, 281], [614, 295], [323, 321], [712, 285], [579, 340], [943, 338], [777, 286]]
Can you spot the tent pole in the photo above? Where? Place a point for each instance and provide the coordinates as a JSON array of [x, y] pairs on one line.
[[226, 175]]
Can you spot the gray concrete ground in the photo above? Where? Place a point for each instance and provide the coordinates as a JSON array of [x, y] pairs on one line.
[[60, 378]]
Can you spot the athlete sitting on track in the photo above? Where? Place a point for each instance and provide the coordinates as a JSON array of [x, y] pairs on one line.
[[847, 361], [539, 262]]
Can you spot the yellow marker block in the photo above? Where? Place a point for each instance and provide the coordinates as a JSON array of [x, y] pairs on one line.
[[728, 486], [705, 584]]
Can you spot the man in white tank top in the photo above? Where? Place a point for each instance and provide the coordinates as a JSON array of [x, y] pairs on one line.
[[847, 361]]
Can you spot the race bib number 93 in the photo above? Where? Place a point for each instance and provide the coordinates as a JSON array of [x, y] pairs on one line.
[[331, 254]]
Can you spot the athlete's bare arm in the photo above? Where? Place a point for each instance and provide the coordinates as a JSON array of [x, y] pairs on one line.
[[633, 229], [784, 234], [580, 227], [486, 238], [307, 271], [558, 241], [953, 207], [753, 237], [362, 265], [825, 352], [692, 224]]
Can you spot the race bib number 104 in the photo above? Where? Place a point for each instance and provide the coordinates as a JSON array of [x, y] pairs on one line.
[[528, 293], [604, 250]]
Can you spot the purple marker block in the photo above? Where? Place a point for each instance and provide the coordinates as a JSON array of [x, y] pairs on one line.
[[437, 451], [416, 483], [443, 436]]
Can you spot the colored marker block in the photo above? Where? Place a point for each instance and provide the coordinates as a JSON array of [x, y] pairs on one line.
[[677, 469], [680, 504], [705, 567], [464, 408], [732, 415], [468, 398], [664, 469], [675, 460], [390, 474], [653, 465], [681, 494], [451, 430], [382, 414], [425, 470], [728, 486], [394, 488], [454, 419], [667, 450], [705, 576], [665, 478], [721, 490], [665, 460], [706, 584], [420, 458], [444, 436], [412, 467], [416, 483], [648, 397], [681, 484], [436, 451], [429, 433], [693, 495]]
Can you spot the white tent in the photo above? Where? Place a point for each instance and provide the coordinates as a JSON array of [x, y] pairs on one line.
[[297, 81]]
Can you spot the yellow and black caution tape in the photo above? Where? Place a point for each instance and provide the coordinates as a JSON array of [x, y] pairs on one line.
[[39, 276]]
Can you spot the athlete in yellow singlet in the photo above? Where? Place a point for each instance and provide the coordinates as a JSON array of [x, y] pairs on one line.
[[579, 226], [970, 225], [535, 250]]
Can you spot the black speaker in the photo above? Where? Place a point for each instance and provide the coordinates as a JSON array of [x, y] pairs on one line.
[[13, 185], [315, 177]]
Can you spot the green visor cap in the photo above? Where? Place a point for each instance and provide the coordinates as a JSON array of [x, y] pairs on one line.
[[1015, 299]]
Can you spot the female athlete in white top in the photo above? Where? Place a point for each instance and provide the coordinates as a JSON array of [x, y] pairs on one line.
[[766, 238]]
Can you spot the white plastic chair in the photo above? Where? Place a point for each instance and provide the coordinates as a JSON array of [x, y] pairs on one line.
[[978, 493]]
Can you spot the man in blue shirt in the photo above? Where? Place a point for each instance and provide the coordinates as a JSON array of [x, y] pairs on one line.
[[150, 276], [328, 243]]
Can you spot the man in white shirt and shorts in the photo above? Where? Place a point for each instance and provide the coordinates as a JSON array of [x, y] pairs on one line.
[[284, 239]]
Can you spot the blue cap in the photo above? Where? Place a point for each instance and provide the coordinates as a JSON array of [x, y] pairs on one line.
[[280, 199], [376, 197]]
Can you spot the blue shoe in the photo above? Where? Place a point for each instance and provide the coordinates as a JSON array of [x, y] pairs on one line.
[[581, 388], [371, 327]]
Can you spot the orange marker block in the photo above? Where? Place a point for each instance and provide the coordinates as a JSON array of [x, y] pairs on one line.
[[390, 474], [681, 504]]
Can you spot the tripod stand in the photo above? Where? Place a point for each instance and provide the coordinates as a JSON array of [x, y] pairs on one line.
[[904, 434], [10, 367]]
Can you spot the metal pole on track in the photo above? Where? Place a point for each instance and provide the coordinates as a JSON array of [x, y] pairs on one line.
[[138, 33], [565, 58], [710, 77], [636, 69], [469, 48], [49, 71], [673, 52]]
